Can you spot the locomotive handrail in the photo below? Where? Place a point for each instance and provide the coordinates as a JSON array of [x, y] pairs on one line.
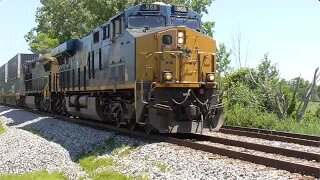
[[161, 52], [206, 53], [192, 71], [36, 78], [180, 52]]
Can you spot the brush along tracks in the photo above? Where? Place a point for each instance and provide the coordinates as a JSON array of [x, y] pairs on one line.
[[221, 146]]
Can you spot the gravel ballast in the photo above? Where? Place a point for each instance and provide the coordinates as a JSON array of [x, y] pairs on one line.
[[33, 142]]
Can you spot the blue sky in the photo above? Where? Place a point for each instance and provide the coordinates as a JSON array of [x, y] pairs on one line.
[[289, 30]]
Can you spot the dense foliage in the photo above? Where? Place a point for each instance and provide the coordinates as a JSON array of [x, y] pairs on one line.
[[61, 20], [258, 97]]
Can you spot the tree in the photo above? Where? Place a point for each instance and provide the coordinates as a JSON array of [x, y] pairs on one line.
[[207, 28], [307, 97], [238, 50], [315, 98], [278, 97], [42, 43], [223, 59], [302, 86], [66, 19]]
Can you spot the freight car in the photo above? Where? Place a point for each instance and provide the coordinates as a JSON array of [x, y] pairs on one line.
[[149, 65], [12, 76]]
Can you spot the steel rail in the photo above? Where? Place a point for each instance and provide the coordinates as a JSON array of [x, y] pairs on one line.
[[269, 136], [275, 163], [279, 133], [253, 146]]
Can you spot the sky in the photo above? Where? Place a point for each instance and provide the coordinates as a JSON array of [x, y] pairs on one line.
[[288, 30]]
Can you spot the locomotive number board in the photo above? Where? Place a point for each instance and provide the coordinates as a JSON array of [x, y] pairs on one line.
[[179, 9], [150, 7]]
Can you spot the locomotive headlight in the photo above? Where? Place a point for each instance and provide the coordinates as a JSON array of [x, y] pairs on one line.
[[180, 34], [210, 77], [180, 40], [180, 37], [167, 76]]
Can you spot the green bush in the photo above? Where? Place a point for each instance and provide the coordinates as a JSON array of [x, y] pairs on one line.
[[239, 115], [306, 127]]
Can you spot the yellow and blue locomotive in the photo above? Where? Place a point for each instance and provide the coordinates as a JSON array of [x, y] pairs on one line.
[[147, 66]]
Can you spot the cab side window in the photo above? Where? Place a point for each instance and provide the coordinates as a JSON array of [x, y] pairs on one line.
[[117, 26], [96, 37], [106, 32]]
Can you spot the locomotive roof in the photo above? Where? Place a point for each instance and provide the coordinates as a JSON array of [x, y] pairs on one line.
[[156, 9], [163, 10]]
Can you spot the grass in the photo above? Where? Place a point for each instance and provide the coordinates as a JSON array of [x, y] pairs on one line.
[[289, 125], [91, 163], [111, 142], [99, 149], [34, 131], [252, 117], [123, 150], [2, 130], [162, 166], [10, 124], [40, 175], [110, 175]]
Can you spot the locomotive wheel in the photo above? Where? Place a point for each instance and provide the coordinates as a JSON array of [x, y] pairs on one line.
[[118, 119], [132, 125], [147, 128], [118, 124]]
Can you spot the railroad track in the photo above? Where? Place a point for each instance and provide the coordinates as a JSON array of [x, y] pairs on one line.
[[301, 139], [193, 141]]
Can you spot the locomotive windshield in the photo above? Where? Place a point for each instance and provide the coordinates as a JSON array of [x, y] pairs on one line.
[[146, 21], [191, 23]]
